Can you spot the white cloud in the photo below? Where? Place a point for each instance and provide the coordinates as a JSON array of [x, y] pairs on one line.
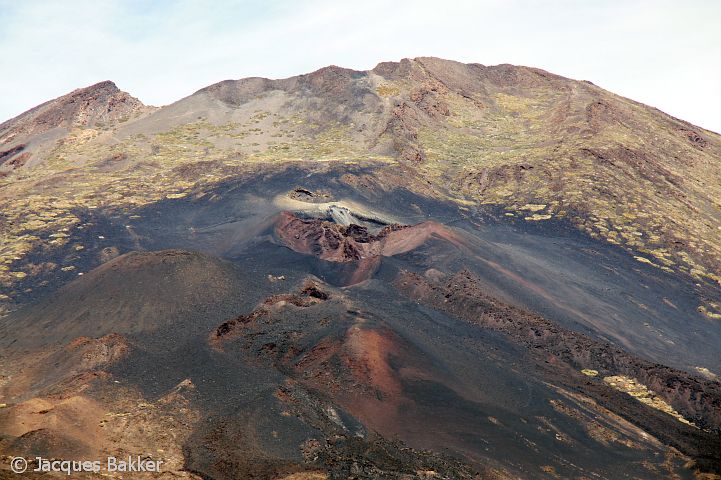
[[661, 53]]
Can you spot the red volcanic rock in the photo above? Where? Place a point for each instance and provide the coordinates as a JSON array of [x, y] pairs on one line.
[[337, 243], [311, 294], [326, 240]]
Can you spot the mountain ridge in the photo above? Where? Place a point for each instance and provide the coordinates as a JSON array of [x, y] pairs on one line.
[[538, 144]]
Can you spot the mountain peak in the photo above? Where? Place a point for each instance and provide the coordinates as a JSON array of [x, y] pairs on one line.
[[102, 101], [104, 86], [98, 105]]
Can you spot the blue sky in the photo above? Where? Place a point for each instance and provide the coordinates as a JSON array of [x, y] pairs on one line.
[[666, 54]]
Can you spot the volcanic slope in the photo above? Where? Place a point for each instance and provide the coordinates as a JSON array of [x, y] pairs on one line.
[[426, 269], [535, 144], [344, 335]]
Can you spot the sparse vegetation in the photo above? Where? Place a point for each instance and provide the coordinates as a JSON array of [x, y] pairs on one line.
[[641, 393], [547, 149]]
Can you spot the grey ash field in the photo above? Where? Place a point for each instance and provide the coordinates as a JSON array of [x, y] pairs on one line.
[[427, 270]]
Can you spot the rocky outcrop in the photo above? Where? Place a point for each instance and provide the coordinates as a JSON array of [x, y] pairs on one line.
[[338, 243], [564, 354], [98, 104]]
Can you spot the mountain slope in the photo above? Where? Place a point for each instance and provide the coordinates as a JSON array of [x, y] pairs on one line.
[[425, 270], [539, 145]]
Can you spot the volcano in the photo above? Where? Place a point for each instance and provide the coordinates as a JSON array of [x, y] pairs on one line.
[[426, 270]]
